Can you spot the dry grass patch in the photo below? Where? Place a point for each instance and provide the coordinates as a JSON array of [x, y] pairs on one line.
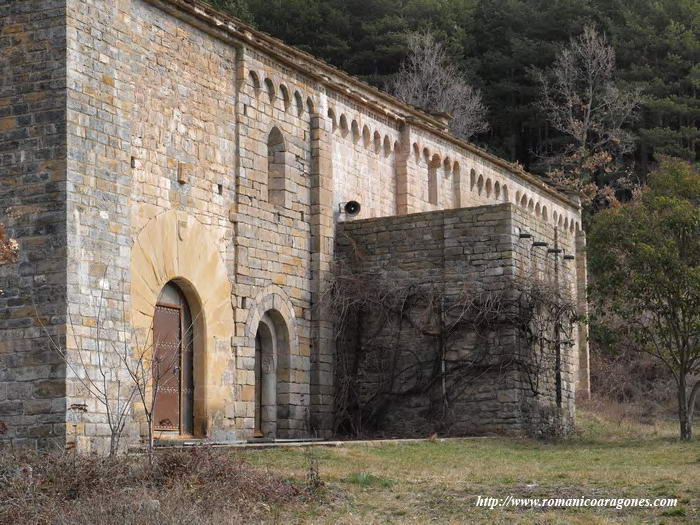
[[440, 481], [197, 486], [428, 482]]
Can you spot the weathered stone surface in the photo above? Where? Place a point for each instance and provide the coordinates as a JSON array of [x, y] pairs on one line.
[[453, 258], [32, 203], [138, 147]]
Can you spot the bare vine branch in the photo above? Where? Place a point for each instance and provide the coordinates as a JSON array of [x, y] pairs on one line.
[[397, 340]]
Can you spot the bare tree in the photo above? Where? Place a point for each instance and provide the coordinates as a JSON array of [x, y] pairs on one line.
[[582, 100], [429, 80], [117, 375], [149, 373], [98, 372]]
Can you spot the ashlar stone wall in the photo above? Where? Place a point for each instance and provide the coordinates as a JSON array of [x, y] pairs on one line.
[[149, 141], [151, 131], [394, 168], [273, 236]]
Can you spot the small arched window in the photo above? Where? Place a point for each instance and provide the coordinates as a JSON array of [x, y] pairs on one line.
[[255, 82], [365, 136], [270, 88], [299, 103], [276, 168], [433, 179], [355, 127], [377, 142], [387, 146], [331, 117], [285, 96]]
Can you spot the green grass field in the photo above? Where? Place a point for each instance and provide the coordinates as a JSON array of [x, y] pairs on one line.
[[439, 481]]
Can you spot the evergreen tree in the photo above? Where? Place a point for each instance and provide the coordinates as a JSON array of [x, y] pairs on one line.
[[658, 45]]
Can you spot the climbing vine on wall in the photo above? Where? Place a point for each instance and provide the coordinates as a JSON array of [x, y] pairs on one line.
[[399, 340]]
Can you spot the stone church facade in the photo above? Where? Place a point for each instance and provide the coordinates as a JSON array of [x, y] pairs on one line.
[[168, 170]]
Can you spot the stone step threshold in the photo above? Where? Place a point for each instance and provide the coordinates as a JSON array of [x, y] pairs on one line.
[[295, 443]]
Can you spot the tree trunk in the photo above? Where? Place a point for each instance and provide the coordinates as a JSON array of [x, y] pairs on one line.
[[686, 427], [113, 445], [692, 399], [151, 447]]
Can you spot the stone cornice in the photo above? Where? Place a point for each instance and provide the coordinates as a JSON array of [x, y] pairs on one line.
[[235, 32]]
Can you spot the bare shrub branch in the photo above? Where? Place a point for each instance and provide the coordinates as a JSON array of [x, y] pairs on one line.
[[117, 375], [98, 378]]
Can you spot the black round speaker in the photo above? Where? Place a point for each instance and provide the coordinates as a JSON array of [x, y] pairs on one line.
[[352, 208]]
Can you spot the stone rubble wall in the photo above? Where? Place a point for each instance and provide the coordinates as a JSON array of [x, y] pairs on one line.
[[478, 249], [565, 275], [33, 209]]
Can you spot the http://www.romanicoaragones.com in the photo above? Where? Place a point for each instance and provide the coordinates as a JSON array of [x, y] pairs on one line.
[[617, 503]]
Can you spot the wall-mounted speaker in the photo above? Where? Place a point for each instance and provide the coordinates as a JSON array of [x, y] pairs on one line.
[[352, 208]]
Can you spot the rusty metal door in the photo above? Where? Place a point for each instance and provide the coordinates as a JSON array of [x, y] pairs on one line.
[[167, 337]]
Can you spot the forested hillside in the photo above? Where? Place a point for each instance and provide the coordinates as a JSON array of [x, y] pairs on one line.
[[499, 43]]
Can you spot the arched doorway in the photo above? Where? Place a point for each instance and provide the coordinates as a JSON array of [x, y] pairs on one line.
[[272, 377], [173, 363]]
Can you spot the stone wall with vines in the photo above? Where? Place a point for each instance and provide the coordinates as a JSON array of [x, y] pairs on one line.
[[448, 322]]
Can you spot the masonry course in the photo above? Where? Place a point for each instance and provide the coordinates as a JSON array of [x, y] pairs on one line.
[[144, 142], [474, 249]]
